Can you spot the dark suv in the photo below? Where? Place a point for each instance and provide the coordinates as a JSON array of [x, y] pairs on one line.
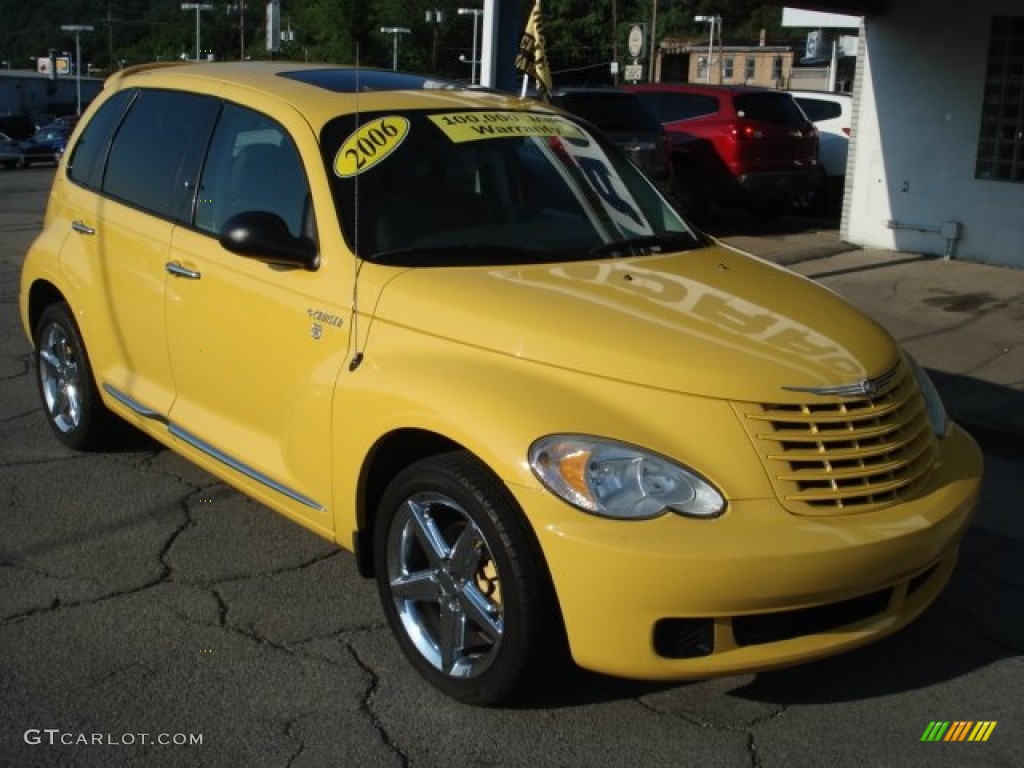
[[736, 144], [626, 121]]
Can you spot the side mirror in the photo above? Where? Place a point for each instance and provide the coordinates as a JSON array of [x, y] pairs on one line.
[[264, 235]]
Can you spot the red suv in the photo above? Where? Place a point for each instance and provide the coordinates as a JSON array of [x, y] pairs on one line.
[[736, 144]]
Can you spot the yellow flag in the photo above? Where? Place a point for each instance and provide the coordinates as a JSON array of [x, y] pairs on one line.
[[532, 59]]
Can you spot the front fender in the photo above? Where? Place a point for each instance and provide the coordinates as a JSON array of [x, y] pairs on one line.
[[496, 405]]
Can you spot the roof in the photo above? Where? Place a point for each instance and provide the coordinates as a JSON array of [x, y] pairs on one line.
[[850, 7], [319, 91]]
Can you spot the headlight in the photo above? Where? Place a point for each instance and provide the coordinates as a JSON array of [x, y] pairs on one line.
[[620, 481], [932, 402]]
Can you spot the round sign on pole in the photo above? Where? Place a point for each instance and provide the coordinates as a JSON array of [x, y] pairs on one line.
[[635, 42]]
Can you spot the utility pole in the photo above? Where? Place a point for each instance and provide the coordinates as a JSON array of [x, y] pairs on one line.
[[395, 32], [197, 7], [77, 29], [109, 21]]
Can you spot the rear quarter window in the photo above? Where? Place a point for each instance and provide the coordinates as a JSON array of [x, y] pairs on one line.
[[90, 151]]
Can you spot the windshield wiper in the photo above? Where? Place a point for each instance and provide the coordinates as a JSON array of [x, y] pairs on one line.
[[647, 244]]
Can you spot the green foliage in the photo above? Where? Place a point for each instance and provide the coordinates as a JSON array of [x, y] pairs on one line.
[[579, 33]]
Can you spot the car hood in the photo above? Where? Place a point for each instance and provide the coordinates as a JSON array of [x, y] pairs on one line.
[[712, 322]]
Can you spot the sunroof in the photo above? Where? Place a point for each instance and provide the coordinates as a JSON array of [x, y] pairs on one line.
[[351, 80]]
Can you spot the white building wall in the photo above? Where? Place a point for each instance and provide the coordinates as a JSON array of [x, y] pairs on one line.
[[915, 137]]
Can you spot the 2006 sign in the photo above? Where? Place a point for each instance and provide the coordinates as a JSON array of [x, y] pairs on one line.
[[370, 144]]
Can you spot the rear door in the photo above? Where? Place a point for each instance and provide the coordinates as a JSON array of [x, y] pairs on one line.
[[131, 174]]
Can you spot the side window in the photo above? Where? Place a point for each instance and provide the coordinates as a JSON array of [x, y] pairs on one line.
[[252, 165], [157, 150], [90, 151], [685, 106]]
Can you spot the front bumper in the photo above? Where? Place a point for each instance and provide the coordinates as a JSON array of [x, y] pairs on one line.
[[674, 598]]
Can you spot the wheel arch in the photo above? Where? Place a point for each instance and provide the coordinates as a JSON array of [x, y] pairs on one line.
[[389, 455], [41, 295]]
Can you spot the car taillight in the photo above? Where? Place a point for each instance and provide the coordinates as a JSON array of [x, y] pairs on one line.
[[744, 131]]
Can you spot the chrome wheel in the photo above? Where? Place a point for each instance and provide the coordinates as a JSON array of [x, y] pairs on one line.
[[59, 378], [445, 585], [66, 385], [463, 583]]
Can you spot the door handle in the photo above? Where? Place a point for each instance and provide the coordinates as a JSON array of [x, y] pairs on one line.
[[179, 271], [81, 226]]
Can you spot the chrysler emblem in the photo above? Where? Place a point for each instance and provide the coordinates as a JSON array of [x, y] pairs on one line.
[[864, 387]]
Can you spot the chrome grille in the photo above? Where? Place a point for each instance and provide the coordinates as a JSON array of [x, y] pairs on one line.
[[845, 455]]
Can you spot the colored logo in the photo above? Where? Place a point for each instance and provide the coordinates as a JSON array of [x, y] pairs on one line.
[[370, 144], [958, 730]]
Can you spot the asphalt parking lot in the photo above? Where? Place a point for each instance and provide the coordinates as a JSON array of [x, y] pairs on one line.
[[151, 616]]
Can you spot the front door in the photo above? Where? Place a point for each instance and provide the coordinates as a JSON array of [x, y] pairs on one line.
[[256, 347]]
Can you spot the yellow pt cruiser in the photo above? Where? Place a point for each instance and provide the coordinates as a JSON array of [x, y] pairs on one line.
[[460, 335]]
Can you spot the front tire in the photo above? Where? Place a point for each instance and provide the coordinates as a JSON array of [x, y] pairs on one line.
[[66, 384], [462, 582]]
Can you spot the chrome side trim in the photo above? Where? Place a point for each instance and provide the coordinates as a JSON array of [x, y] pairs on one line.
[[135, 405], [246, 470], [208, 449], [862, 388]]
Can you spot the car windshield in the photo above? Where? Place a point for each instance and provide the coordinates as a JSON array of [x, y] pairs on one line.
[[491, 187]]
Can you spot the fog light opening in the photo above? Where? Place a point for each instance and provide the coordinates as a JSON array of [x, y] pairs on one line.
[[684, 638]]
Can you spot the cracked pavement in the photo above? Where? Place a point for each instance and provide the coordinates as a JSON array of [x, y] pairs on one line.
[[140, 596]]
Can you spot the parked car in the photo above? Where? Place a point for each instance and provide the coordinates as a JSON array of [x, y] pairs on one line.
[[66, 121], [736, 145], [832, 113], [46, 146], [462, 336], [10, 152], [42, 120], [624, 118], [18, 127]]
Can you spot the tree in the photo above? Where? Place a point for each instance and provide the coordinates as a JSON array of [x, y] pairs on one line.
[[580, 34]]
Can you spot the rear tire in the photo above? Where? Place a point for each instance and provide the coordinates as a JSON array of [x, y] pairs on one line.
[[463, 584], [67, 388]]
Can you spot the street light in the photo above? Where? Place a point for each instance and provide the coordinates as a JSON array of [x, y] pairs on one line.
[[197, 7], [77, 29], [395, 32], [711, 20], [476, 14], [435, 17]]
